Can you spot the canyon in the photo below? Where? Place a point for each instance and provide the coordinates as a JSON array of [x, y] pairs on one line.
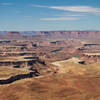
[[50, 65]]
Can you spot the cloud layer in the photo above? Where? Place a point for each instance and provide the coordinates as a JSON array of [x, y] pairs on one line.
[[70, 15], [76, 12], [59, 18], [84, 9]]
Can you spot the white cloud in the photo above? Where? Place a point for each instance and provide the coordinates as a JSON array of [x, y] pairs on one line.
[[75, 12], [5, 4], [59, 18], [84, 9], [71, 15]]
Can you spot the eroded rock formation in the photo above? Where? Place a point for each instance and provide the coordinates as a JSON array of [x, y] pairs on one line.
[[18, 77]]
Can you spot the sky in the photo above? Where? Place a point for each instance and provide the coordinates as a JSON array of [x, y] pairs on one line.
[[46, 15]]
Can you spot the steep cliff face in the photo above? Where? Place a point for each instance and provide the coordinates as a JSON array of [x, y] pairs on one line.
[[71, 34], [31, 69], [18, 77], [18, 63]]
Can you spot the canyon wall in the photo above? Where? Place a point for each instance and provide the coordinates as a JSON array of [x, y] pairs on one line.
[[71, 34], [18, 77]]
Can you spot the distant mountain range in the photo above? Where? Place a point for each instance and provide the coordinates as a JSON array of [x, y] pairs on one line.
[[53, 34]]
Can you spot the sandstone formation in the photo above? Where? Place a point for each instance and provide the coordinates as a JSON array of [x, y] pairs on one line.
[[53, 65], [18, 77], [71, 34]]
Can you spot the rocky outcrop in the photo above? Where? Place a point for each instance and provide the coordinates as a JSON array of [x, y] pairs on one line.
[[18, 63], [18, 77]]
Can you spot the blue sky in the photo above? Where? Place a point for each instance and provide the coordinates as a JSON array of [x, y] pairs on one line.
[[39, 15]]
